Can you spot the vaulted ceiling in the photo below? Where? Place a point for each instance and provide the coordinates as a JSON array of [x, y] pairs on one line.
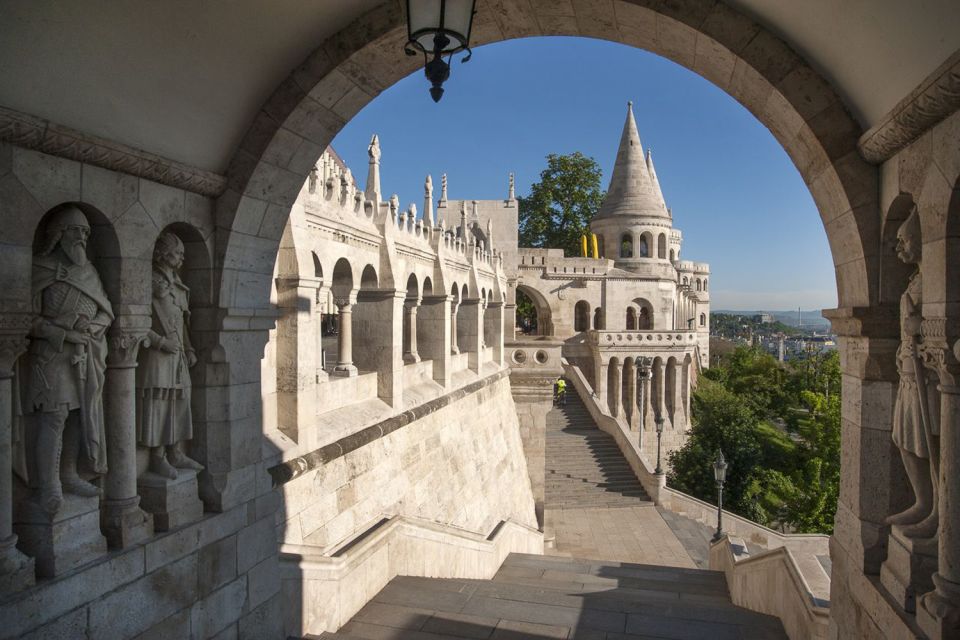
[[183, 79]]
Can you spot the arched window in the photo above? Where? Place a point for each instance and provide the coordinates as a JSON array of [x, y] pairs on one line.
[[581, 316], [662, 246], [698, 284], [685, 280], [626, 246], [704, 284], [646, 321], [644, 247], [703, 319], [631, 319], [672, 255], [598, 319]]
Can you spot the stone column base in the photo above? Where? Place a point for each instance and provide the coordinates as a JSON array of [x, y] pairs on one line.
[[66, 541], [173, 503], [125, 523], [909, 568], [411, 358], [345, 371], [938, 613], [16, 569]]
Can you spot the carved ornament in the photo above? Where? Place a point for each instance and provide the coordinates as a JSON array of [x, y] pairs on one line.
[[926, 106], [34, 133]]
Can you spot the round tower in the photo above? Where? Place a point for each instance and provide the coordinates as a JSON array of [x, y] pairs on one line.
[[634, 225]]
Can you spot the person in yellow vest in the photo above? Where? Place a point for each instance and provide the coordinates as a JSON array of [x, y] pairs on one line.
[[561, 392]]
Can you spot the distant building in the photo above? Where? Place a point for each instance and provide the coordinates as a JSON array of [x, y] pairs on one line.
[[763, 318]]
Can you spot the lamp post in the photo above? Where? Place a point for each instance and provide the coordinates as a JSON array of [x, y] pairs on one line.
[[438, 28], [720, 475], [643, 374], [659, 421]]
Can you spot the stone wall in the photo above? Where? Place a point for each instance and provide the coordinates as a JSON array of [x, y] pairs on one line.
[[460, 464]]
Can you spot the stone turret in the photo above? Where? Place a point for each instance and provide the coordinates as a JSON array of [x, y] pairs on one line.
[[634, 226]]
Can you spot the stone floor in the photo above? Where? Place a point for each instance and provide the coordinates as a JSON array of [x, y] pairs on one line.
[[539, 597]]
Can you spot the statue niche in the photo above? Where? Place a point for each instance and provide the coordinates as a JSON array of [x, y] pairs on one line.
[[164, 417], [61, 377], [916, 416]]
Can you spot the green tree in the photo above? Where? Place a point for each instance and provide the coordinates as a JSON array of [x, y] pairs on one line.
[[560, 206], [722, 421]]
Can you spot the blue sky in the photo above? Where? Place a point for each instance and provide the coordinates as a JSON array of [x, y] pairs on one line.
[[735, 194]]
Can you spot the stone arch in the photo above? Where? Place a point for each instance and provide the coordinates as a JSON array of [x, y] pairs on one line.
[[368, 278], [598, 319], [747, 61], [342, 283], [542, 306], [699, 284], [662, 246], [317, 267], [645, 249], [673, 255], [631, 319], [581, 316], [644, 315], [427, 286], [413, 287], [705, 284], [703, 319]]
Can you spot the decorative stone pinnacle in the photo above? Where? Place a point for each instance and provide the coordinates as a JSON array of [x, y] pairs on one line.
[[443, 188], [511, 194]]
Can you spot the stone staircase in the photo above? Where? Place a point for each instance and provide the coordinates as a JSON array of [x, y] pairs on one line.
[[584, 465], [538, 597]]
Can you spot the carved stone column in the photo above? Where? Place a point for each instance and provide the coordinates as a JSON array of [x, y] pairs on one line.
[[472, 332], [345, 366], [454, 345], [410, 354], [660, 380], [16, 569], [630, 373], [939, 610], [616, 391], [121, 518], [678, 416]]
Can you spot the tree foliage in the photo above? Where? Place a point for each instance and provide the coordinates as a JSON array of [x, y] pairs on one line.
[[779, 428], [560, 206]]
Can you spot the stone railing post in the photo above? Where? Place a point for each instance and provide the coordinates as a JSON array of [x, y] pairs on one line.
[[121, 518], [660, 376], [16, 569], [345, 366], [454, 343], [410, 307]]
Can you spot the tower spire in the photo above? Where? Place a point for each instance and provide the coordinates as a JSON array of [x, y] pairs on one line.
[[428, 201], [631, 191], [655, 183]]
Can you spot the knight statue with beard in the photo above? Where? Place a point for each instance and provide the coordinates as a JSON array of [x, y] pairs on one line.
[[62, 374]]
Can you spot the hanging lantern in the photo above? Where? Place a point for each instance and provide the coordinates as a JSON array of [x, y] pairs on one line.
[[438, 28]]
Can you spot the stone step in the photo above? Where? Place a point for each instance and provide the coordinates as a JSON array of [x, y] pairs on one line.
[[553, 597]]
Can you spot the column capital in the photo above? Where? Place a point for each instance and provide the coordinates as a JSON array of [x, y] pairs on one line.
[[14, 328], [123, 345], [878, 321]]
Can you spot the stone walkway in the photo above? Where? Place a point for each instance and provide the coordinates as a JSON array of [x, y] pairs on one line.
[[539, 597], [595, 508]]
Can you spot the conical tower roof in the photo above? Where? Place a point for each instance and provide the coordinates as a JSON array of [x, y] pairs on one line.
[[632, 190]]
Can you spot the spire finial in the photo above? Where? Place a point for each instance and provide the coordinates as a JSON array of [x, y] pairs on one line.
[[372, 190], [511, 195], [443, 188], [428, 201]]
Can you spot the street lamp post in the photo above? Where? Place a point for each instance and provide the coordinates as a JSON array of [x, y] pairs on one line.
[[720, 475], [659, 421]]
